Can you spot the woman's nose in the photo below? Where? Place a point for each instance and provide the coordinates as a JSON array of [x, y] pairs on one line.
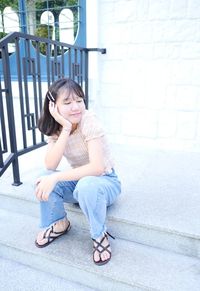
[[74, 105]]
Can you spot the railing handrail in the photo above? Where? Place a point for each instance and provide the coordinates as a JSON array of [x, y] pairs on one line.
[[28, 64], [13, 35]]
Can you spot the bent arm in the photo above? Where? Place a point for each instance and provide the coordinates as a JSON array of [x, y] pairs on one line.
[[95, 167], [56, 150]]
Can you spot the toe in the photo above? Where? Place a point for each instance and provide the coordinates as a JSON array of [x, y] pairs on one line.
[[105, 256], [96, 256]]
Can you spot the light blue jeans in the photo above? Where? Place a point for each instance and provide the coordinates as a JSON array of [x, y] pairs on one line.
[[93, 193]]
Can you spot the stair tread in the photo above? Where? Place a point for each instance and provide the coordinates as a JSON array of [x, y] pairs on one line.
[[159, 189], [133, 264], [29, 279]]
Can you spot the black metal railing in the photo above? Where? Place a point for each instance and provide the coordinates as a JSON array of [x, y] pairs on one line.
[[25, 75]]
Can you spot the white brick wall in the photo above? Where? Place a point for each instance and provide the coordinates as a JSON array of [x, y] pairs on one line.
[[146, 88]]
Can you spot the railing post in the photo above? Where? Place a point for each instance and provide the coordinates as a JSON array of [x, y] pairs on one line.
[[11, 121], [86, 78], [102, 51], [1, 156], [22, 15]]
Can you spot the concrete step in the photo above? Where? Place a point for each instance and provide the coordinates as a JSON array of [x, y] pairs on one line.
[[133, 266], [159, 205], [27, 278]]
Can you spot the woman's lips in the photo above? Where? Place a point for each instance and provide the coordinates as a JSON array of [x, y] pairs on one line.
[[78, 114]]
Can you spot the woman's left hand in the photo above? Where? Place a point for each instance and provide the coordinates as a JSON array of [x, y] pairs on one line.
[[44, 186]]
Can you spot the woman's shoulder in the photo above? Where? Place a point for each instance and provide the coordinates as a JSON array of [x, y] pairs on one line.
[[89, 117], [89, 113], [90, 125]]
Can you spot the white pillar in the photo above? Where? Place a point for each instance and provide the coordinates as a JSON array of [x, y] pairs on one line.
[[92, 42]]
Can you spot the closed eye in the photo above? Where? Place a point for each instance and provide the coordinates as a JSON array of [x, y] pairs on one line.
[[68, 102]]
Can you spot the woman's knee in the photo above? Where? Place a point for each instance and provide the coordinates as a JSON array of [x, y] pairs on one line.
[[86, 188]]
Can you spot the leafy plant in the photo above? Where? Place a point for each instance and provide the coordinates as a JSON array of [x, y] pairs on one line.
[[56, 6], [44, 31], [2, 34]]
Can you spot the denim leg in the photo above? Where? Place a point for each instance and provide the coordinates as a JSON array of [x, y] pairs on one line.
[[53, 209], [94, 194]]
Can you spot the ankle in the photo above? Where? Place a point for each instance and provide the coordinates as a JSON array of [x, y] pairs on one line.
[[61, 224]]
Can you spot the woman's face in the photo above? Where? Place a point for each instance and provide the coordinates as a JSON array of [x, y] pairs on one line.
[[71, 107]]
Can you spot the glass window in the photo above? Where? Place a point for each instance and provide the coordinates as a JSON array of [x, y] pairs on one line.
[[54, 19]]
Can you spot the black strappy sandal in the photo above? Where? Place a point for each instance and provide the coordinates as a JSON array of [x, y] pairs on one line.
[[52, 235], [100, 249]]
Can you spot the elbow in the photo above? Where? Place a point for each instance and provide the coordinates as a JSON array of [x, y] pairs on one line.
[[99, 170], [50, 164], [50, 167]]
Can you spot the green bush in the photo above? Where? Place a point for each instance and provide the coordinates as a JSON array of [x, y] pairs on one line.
[[43, 31], [2, 34]]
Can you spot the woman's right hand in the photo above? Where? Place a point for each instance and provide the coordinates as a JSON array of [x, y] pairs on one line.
[[53, 109]]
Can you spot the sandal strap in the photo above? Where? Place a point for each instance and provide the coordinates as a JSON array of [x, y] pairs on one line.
[[49, 236], [96, 248], [105, 235], [44, 235], [110, 235], [99, 247]]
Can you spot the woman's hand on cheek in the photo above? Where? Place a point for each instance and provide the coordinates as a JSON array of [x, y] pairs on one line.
[[53, 109], [44, 186]]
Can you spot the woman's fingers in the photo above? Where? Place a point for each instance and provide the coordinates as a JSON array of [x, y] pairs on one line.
[[38, 193], [37, 181], [39, 190], [53, 109], [44, 186], [41, 195]]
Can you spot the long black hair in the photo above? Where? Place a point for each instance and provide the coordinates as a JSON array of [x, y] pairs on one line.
[[46, 123]]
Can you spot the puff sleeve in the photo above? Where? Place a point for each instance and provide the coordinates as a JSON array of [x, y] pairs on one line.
[[91, 127]]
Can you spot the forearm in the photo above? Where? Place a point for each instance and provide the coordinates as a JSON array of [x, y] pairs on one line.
[[55, 153], [46, 184], [89, 169]]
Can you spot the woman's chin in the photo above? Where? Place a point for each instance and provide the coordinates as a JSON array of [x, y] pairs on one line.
[[75, 118]]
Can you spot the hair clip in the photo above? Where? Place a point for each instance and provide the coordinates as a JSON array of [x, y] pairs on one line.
[[50, 96]]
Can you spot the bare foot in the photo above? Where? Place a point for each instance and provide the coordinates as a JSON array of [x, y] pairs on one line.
[[48, 235], [102, 250]]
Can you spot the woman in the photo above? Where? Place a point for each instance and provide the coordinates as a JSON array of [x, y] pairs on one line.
[[75, 133]]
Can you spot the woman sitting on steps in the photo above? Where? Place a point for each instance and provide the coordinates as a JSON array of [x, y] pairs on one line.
[[75, 133]]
